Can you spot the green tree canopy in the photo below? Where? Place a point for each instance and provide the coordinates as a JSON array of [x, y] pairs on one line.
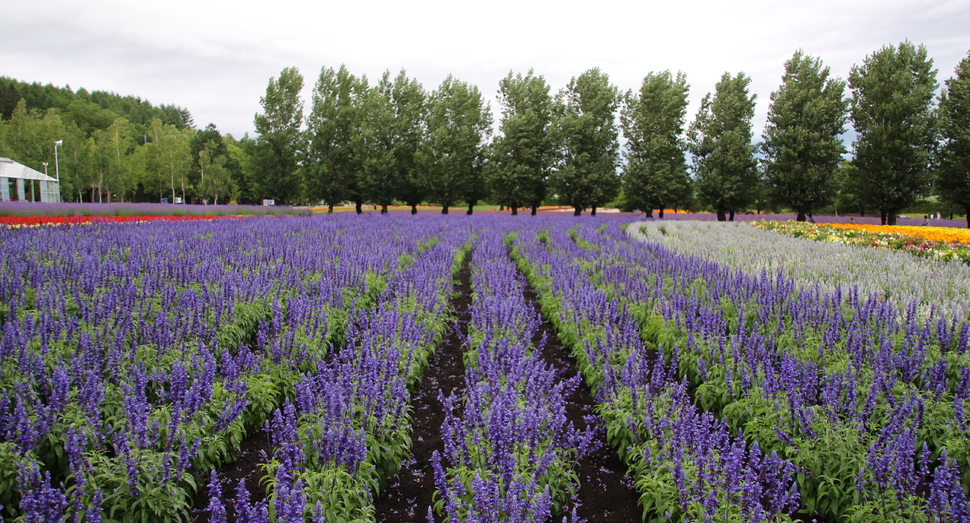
[[524, 152], [375, 145], [953, 180], [412, 165], [655, 175], [459, 125], [801, 138], [587, 176], [720, 141], [279, 138], [214, 177], [334, 120], [892, 110]]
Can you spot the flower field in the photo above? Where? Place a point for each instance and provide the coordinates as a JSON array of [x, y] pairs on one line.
[[733, 381], [941, 243], [41, 221]]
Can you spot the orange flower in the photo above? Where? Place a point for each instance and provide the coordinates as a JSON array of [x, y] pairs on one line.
[[942, 234], [37, 221]]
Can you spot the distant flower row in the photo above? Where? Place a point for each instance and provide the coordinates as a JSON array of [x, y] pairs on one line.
[[14, 222], [928, 242], [143, 209], [941, 234]]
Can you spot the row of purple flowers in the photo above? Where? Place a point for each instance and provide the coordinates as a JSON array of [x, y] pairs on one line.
[[870, 406], [509, 451], [136, 358], [688, 464]]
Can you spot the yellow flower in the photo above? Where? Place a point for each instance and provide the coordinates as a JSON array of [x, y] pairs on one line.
[[943, 234]]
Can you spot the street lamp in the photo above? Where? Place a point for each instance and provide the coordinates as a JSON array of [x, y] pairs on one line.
[[57, 170]]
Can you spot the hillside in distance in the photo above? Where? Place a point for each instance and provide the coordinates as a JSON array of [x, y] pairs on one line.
[[40, 98]]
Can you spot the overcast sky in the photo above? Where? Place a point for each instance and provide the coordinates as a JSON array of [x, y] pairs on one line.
[[215, 57]]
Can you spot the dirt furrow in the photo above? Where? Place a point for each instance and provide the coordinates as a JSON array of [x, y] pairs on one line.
[[606, 492], [411, 492]]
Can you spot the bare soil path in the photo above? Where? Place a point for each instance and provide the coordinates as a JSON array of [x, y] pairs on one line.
[[411, 492]]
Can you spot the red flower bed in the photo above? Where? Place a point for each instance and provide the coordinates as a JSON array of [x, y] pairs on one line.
[[36, 221]]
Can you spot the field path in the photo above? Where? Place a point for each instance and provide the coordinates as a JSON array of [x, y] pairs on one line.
[[606, 494], [411, 492]]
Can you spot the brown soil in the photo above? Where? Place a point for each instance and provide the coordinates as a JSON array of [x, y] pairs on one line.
[[254, 451], [411, 492], [606, 492]]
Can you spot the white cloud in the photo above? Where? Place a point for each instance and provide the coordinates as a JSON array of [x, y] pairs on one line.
[[215, 57]]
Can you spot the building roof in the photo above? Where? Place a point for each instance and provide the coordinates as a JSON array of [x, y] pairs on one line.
[[12, 169]]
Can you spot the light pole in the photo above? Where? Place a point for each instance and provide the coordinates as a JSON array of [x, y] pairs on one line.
[[43, 184], [57, 169]]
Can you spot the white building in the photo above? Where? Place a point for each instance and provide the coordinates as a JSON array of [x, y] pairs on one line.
[[15, 178]]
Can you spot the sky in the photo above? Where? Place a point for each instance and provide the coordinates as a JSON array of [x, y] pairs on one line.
[[215, 58]]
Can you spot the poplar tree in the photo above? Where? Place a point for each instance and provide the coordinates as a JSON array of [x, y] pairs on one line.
[[953, 181], [335, 118], [278, 140], [459, 124], [524, 152], [412, 165], [892, 110], [375, 145], [655, 175], [801, 138], [725, 170], [587, 177]]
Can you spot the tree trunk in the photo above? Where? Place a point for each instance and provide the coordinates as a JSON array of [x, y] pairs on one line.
[[891, 218], [800, 217], [578, 211], [648, 213], [535, 209], [501, 207], [515, 210], [661, 213], [882, 217], [329, 208], [383, 208], [731, 217], [444, 209], [593, 211], [470, 207], [360, 206], [721, 217], [414, 209]]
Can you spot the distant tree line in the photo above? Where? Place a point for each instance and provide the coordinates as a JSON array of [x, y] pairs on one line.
[[392, 141], [119, 148]]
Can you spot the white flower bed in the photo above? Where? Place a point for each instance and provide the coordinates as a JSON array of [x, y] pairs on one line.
[[896, 276]]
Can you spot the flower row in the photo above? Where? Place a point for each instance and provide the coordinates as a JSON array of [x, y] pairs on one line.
[[828, 267], [938, 243], [14, 222], [688, 464], [509, 451], [135, 359], [868, 403]]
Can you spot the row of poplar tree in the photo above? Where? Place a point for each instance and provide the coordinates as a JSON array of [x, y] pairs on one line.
[[392, 141]]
